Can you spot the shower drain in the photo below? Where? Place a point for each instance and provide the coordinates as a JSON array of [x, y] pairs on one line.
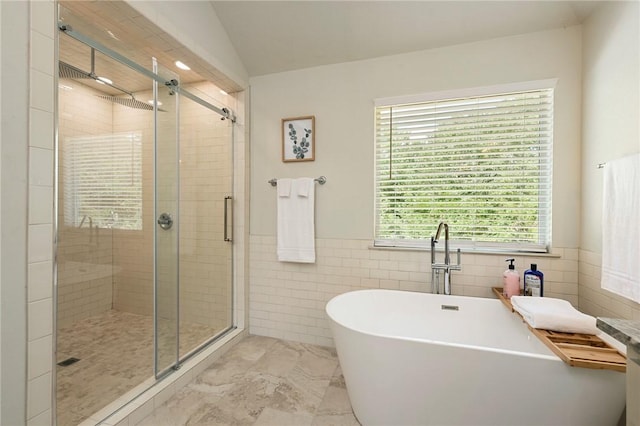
[[67, 362]]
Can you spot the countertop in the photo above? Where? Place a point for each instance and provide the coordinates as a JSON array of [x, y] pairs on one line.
[[625, 331]]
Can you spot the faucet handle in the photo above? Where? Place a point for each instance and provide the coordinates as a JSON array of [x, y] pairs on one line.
[[457, 266]]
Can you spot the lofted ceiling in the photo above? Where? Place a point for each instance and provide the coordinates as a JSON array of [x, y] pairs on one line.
[[276, 36]]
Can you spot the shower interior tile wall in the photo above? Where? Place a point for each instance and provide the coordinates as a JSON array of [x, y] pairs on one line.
[[205, 178], [287, 300], [203, 261], [83, 290], [133, 250]]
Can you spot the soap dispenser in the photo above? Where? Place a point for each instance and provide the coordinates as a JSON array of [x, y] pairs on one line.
[[510, 281]]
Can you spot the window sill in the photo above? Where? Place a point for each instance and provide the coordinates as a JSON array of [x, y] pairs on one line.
[[470, 251]]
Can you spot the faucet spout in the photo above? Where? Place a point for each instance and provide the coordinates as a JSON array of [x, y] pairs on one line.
[[446, 232], [447, 258]]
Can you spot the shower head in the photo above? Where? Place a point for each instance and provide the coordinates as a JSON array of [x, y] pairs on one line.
[[66, 70], [131, 102], [69, 71]]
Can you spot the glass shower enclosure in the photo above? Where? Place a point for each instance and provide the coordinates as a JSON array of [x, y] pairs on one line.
[[144, 251]]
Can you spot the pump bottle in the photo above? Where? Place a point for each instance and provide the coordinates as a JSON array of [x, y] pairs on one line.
[[510, 281], [533, 281]]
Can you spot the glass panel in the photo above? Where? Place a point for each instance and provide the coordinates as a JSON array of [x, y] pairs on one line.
[[166, 229], [104, 287], [205, 257]]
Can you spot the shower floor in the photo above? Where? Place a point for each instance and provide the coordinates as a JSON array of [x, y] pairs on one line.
[[115, 350]]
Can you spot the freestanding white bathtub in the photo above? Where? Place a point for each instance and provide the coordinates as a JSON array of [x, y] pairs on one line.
[[423, 359]]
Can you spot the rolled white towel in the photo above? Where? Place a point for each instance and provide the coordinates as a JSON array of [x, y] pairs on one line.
[[548, 313]]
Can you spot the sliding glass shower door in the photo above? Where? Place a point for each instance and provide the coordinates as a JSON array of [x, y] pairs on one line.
[[205, 247], [193, 262]]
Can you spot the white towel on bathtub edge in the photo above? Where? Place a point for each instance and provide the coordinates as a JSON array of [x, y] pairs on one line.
[[548, 313], [296, 228]]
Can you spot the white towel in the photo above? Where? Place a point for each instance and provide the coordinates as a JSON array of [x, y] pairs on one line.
[[547, 313], [296, 229], [305, 186], [621, 227], [284, 187]]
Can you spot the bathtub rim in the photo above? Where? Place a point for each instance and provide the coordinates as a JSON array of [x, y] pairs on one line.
[[550, 357]]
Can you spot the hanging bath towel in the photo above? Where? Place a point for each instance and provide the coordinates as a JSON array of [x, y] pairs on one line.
[[296, 229], [621, 227]]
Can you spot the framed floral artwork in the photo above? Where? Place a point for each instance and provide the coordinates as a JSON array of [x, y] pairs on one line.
[[298, 139]]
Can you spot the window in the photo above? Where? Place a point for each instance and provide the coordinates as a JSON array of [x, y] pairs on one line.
[[103, 180], [481, 163]]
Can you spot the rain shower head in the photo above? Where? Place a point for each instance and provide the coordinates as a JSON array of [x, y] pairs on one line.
[[66, 70], [128, 102], [69, 71]]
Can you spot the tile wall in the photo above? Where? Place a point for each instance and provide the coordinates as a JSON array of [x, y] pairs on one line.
[[596, 301], [133, 249], [124, 278], [287, 300], [205, 176], [85, 267], [40, 230]]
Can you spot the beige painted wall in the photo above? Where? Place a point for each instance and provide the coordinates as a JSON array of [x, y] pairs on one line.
[[610, 130], [611, 91], [341, 98]]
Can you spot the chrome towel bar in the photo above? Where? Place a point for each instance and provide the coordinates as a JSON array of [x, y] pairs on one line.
[[321, 180]]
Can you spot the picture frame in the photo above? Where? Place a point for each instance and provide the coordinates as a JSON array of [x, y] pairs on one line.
[[298, 139]]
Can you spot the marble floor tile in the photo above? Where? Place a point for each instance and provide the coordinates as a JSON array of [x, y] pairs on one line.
[[270, 417], [335, 401], [263, 381]]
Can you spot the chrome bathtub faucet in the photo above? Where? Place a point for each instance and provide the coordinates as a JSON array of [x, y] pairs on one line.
[[446, 267]]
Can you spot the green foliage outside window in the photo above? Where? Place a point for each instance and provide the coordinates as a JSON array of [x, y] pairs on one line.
[[485, 171]]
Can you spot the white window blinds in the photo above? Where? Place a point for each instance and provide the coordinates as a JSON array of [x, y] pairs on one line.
[[482, 164], [103, 180]]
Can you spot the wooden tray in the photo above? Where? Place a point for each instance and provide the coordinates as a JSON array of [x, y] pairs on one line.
[[576, 349]]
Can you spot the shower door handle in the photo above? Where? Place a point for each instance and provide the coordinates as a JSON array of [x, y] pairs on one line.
[[165, 221], [228, 236]]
